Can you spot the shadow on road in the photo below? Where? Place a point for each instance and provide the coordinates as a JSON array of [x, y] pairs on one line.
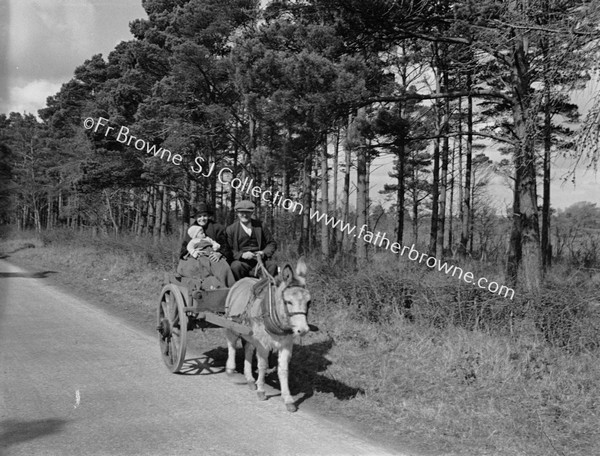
[[308, 361], [307, 366], [26, 275], [213, 362], [4, 255], [13, 432]]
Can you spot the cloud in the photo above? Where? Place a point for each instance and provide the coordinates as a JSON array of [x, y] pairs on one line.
[[45, 40], [44, 35], [31, 96]]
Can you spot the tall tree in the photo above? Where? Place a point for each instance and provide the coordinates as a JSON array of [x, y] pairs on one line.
[[505, 36]]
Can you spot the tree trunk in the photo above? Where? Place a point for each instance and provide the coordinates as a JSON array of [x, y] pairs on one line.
[[121, 210], [443, 192], [110, 213], [151, 211], [50, 212], [292, 224], [37, 219], [20, 225], [136, 223], [514, 248], [336, 156], [231, 215], [400, 165], [451, 204], [269, 207], [164, 219], [525, 184], [312, 231], [461, 206], [466, 203], [546, 247], [303, 244], [59, 206], [325, 253], [435, 184], [435, 188], [144, 212], [158, 191], [346, 189], [361, 203], [415, 210]]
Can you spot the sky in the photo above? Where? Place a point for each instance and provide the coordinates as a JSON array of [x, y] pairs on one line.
[[43, 41]]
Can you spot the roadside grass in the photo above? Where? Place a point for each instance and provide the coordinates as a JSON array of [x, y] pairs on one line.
[[405, 351]]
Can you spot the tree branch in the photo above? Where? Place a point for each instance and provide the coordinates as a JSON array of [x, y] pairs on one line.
[[568, 31], [436, 39], [451, 135], [479, 93], [448, 135]]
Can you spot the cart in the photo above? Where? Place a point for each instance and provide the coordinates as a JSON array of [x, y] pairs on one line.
[[185, 306]]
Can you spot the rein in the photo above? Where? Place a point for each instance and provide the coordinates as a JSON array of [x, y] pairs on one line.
[[262, 267]]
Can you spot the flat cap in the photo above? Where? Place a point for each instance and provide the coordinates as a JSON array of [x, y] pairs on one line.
[[245, 206]]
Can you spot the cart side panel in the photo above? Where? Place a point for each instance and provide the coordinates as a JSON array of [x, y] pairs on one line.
[[211, 300], [195, 296]]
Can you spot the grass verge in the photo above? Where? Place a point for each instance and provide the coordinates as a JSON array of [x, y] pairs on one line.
[[410, 354]]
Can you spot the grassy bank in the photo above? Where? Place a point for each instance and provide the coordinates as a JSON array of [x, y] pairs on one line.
[[408, 352]]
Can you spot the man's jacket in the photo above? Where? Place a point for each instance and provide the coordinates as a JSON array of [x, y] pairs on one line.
[[234, 233]]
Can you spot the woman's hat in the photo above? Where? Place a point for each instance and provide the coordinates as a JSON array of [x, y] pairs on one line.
[[201, 209]]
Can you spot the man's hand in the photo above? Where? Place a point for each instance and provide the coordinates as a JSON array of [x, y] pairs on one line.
[[248, 255], [215, 256]]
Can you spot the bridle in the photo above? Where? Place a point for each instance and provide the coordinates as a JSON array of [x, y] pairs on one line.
[[288, 303]]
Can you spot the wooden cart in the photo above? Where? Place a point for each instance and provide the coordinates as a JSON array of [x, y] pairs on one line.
[[184, 306]]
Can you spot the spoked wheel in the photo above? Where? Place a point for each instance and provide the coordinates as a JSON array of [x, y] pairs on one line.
[[172, 327]]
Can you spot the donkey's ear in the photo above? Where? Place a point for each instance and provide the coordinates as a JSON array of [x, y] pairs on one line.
[[301, 268], [287, 274]]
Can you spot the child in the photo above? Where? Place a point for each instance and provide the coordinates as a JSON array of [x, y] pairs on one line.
[[214, 274], [200, 244]]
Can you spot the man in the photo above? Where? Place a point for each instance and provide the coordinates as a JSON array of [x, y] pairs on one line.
[[219, 267], [247, 239]]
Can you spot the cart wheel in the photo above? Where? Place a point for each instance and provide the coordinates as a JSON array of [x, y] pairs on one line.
[[172, 327]]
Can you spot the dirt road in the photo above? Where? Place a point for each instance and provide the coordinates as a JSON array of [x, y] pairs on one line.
[[75, 380]]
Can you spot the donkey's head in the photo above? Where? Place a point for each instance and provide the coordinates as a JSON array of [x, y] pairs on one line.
[[295, 297]]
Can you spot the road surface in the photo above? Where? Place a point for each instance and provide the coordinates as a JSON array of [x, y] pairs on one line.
[[75, 380]]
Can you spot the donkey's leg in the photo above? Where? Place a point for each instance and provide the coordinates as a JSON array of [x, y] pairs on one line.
[[248, 354], [231, 344], [262, 356], [285, 354]]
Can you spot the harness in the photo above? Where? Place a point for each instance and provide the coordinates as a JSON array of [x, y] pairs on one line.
[[263, 290]]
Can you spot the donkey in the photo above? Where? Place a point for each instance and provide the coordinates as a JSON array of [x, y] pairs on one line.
[[276, 310]]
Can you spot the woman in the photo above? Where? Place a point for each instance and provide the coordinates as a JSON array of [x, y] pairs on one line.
[[191, 267]]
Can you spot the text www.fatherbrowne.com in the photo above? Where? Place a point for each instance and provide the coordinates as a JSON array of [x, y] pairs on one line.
[[200, 167], [381, 240]]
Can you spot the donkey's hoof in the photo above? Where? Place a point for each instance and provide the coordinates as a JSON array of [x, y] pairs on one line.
[[291, 407], [230, 372], [251, 384], [261, 395]]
